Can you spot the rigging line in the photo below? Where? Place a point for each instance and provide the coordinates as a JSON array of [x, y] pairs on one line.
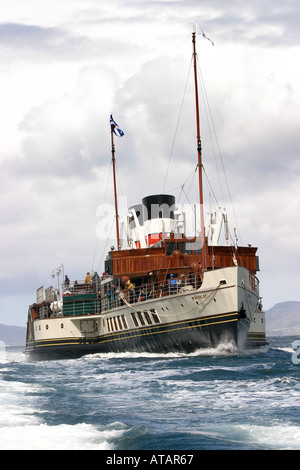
[[120, 191], [220, 155], [210, 187], [192, 175], [185, 193], [105, 194], [170, 191], [120, 195], [106, 243], [176, 129], [216, 201], [210, 124]]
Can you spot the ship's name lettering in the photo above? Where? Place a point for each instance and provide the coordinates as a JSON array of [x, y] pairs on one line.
[[200, 296]]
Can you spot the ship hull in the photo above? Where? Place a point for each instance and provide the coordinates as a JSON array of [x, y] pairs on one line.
[[256, 336], [217, 313], [186, 336]]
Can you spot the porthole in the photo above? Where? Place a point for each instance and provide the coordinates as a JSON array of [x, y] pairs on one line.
[[62, 325]]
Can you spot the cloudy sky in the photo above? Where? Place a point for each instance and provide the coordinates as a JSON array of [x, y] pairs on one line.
[[66, 65]]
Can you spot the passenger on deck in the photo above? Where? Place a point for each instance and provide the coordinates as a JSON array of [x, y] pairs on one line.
[[173, 284], [88, 278], [66, 283], [96, 280], [142, 295], [111, 296], [130, 288]]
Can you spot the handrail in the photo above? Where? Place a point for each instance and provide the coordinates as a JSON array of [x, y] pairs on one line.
[[110, 295], [253, 282], [79, 287]]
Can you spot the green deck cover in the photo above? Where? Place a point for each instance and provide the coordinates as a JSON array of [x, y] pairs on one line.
[[82, 304]]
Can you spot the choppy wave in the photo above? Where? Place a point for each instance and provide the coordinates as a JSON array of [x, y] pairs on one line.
[[61, 437], [212, 399]]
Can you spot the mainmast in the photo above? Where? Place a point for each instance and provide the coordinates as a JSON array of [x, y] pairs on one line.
[[115, 187], [199, 150]]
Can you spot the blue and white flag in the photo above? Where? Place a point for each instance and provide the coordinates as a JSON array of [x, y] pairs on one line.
[[199, 30], [115, 127]]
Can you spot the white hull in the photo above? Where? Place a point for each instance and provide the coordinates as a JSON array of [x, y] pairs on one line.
[[257, 331], [220, 310]]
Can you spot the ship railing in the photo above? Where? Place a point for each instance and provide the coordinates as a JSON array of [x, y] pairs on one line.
[[113, 294], [116, 295], [254, 282], [80, 287]]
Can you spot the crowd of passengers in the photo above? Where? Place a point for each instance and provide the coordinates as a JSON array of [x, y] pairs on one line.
[[132, 292]]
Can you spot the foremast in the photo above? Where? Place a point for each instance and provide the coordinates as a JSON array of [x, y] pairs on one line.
[[115, 186]]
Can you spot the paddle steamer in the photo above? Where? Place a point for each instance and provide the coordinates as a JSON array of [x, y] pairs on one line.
[[164, 292]]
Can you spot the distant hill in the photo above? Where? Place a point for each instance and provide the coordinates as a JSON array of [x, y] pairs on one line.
[[13, 335], [283, 319]]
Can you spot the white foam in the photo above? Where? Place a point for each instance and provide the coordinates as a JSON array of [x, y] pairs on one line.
[[223, 349], [23, 427], [288, 350], [17, 403], [80, 436], [247, 436], [281, 437]]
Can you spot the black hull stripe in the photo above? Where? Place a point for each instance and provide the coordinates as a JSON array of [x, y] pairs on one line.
[[164, 329], [138, 333]]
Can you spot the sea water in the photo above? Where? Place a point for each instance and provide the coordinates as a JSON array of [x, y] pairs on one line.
[[217, 399]]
